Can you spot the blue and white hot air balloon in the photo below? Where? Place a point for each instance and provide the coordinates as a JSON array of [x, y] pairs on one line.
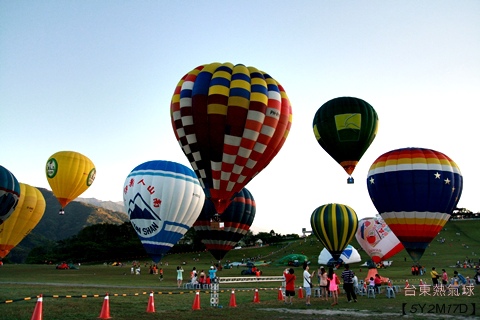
[[163, 199]]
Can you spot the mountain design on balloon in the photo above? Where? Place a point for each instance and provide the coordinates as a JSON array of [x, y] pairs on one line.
[[138, 209]]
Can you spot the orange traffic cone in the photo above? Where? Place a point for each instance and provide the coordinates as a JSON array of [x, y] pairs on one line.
[[300, 293], [280, 294], [105, 312], [37, 312], [196, 302], [233, 300], [256, 297], [151, 303]]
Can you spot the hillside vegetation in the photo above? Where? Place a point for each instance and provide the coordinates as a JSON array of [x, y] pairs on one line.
[[53, 227]]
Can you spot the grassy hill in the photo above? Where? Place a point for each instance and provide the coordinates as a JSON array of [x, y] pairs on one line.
[[462, 241]]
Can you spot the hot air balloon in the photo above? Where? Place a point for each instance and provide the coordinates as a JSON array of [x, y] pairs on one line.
[[335, 226], [345, 127], [376, 238], [231, 121], [163, 199], [9, 193], [29, 211], [415, 190], [69, 174], [348, 256], [236, 220]]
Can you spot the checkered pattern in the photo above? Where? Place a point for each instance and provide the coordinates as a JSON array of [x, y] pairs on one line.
[[230, 121]]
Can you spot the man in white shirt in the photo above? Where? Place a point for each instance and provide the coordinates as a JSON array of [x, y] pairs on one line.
[[307, 282]]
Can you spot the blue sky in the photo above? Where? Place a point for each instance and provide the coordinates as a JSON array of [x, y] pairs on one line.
[[97, 77]]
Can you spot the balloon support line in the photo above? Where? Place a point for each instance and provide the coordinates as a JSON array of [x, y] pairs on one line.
[[83, 296]]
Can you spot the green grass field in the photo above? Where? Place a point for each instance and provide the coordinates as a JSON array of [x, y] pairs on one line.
[[79, 294]]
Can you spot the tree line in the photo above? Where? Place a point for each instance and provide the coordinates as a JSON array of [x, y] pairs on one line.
[[111, 242]]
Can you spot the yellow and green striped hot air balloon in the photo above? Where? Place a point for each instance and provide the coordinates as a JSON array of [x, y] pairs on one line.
[[335, 226], [69, 174]]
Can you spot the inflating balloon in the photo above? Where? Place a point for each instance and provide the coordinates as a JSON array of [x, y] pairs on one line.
[[377, 239], [163, 199], [231, 121], [29, 211], [236, 220], [345, 127], [335, 226], [69, 174], [348, 256], [9, 193], [415, 190]]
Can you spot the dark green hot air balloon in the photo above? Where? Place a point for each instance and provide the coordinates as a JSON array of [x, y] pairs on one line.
[[345, 127], [335, 226]]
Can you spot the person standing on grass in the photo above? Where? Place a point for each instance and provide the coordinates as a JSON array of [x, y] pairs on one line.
[[323, 284], [333, 286], [434, 274], [179, 276], [347, 276], [289, 285], [444, 277], [307, 282]]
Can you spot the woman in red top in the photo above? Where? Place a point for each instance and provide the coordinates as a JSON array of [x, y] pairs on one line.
[[289, 284]]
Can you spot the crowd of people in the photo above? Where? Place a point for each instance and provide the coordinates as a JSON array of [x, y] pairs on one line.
[[456, 279], [328, 284]]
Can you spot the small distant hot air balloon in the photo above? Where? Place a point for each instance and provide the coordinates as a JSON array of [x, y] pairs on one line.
[[231, 121], [335, 226], [376, 238], [415, 190], [345, 127], [236, 221], [163, 199], [29, 211], [69, 174], [9, 193]]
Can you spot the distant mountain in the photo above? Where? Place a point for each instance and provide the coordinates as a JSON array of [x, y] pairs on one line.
[[78, 215], [110, 205]]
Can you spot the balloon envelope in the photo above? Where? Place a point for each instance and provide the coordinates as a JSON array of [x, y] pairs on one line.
[[345, 127], [349, 255], [29, 211], [9, 193], [163, 199], [231, 121], [415, 190], [377, 239], [69, 174], [237, 219], [335, 226]]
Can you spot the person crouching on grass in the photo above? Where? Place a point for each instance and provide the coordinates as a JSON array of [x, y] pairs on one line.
[[289, 285]]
